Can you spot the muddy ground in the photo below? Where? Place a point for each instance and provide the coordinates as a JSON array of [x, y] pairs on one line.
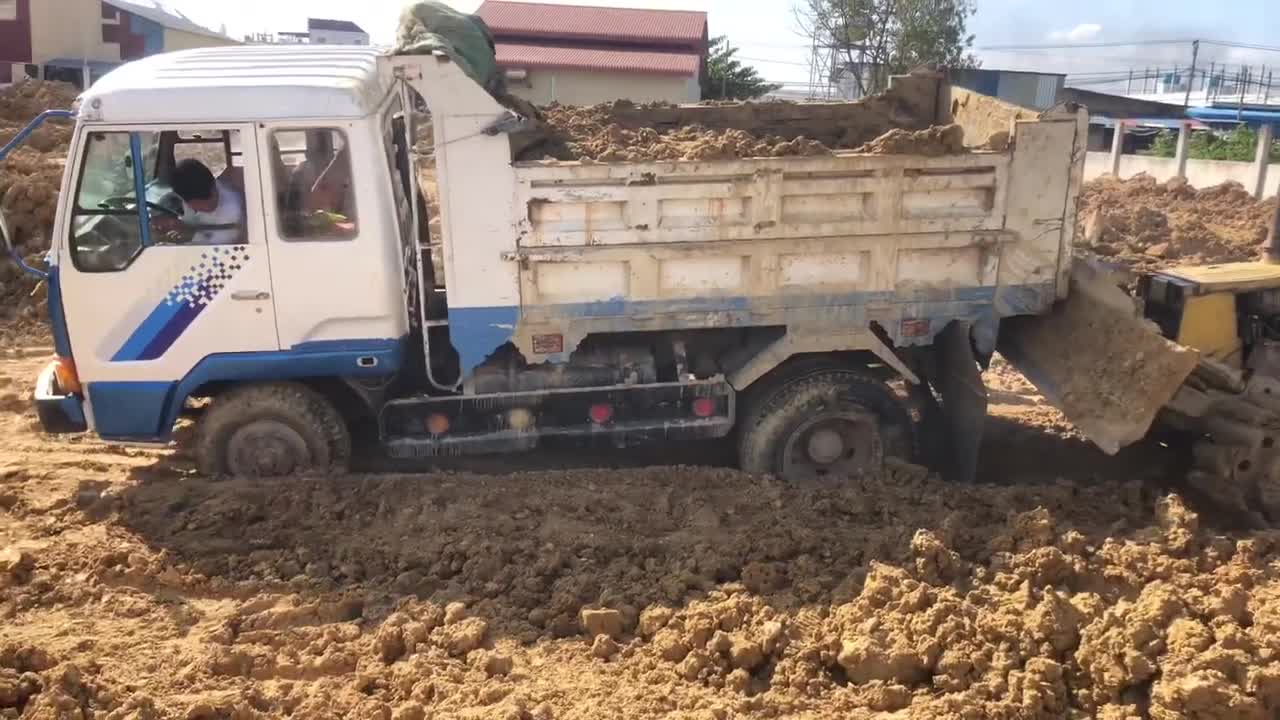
[[1067, 584]]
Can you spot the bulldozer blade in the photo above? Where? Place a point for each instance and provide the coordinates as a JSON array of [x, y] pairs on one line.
[[1095, 358], [964, 401]]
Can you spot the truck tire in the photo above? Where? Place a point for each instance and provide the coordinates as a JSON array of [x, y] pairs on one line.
[[270, 431], [825, 423]]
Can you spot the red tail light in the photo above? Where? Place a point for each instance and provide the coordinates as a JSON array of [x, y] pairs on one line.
[[600, 413], [704, 407]]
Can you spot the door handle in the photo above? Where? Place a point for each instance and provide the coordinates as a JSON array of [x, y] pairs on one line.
[[250, 295]]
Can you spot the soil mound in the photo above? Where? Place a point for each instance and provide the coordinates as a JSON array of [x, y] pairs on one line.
[[1142, 224]]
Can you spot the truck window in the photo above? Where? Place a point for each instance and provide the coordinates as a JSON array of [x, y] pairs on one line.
[[106, 231], [314, 192]]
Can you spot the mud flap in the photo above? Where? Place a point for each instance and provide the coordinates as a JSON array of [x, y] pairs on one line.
[[1095, 358], [964, 401]]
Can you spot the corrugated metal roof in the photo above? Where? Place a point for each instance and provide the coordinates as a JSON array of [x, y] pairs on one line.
[[333, 25], [244, 83], [159, 14], [586, 22], [522, 55]]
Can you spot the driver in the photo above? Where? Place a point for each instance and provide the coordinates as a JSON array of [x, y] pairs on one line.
[[213, 210]]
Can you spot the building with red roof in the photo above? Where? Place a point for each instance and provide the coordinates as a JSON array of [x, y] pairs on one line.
[[581, 55]]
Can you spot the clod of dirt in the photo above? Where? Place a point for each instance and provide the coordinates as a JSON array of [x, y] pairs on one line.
[[931, 142], [1144, 225], [603, 621]]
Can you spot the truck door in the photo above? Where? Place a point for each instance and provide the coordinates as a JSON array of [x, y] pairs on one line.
[[149, 289]]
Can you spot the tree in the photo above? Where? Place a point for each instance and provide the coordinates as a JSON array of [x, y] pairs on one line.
[[1239, 143], [728, 79], [876, 39]]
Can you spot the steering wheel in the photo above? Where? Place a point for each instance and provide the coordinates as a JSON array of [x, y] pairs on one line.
[[127, 202]]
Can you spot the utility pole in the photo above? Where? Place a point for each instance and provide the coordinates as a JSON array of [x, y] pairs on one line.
[[1244, 83], [1195, 54], [1208, 81], [1128, 90]]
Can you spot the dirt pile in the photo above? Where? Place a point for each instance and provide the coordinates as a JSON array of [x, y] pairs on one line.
[[1142, 224], [132, 589], [622, 131], [29, 182]]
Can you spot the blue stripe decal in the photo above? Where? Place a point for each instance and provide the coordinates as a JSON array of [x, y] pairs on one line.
[[476, 332], [194, 292], [146, 332], [57, 316], [142, 411]]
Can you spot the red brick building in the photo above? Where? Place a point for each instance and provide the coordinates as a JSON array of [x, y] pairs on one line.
[[580, 55]]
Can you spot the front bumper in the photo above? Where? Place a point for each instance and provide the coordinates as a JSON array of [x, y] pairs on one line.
[[58, 413]]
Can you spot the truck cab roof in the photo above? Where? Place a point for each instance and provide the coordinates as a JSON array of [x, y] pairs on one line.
[[246, 83]]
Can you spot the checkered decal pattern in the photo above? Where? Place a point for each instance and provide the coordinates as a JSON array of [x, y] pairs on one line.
[[195, 290], [205, 279]]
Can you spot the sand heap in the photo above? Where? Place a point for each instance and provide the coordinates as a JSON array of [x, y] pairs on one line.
[[622, 131], [1142, 224]]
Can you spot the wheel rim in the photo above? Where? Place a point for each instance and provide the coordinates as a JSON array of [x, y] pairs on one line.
[[833, 444], [267, 448]]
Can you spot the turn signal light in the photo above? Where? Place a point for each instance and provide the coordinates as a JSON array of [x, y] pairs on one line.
[[64, 369], [438, 423]]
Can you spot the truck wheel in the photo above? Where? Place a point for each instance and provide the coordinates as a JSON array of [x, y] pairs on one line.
[[270, 431], [829, 423]]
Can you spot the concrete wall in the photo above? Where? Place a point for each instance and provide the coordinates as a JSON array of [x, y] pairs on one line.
[[575, 87], [180, 40], [1200, 173]]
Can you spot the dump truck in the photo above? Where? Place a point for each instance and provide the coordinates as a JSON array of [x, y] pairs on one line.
[[827, 311]]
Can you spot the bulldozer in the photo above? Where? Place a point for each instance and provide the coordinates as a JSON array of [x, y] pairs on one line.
[[1193, 351]]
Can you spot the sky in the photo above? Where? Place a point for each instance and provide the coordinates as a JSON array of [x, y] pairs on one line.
[[769, 36]]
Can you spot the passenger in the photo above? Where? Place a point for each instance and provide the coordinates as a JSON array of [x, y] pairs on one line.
[[323, 181], [213, 210]]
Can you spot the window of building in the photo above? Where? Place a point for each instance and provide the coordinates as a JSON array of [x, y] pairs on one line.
[[315, 195], [8, 10]]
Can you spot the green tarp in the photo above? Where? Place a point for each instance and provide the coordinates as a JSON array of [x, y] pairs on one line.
[[428, 26]]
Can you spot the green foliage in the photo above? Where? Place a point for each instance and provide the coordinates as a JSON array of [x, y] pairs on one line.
[[728, 79], [891, 37], [1239, 144]]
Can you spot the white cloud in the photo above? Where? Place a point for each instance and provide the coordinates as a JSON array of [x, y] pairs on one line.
[[1083, 32]]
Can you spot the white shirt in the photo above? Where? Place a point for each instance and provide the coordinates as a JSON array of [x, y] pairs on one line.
[[230, 211]]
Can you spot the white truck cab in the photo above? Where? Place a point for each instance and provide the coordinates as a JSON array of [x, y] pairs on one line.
[[243, 224]]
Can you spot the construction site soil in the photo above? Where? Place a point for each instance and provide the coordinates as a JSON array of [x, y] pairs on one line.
[[1141, 224], [622, 131], [29, 182], [1065, 584], [649, 584]]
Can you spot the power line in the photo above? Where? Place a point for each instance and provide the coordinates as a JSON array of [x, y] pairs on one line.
[[1069, 46], [767, 60]]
